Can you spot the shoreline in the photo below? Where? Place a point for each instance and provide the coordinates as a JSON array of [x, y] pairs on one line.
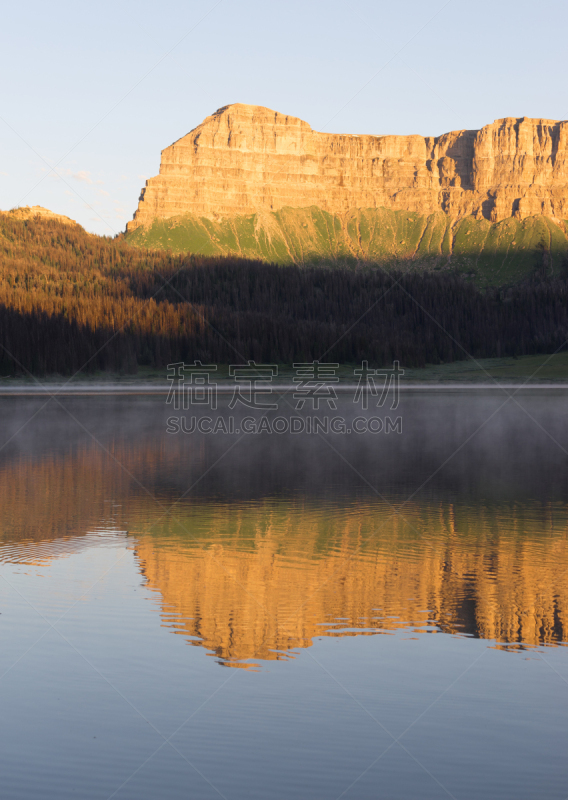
[[139, 390], [538, 372]]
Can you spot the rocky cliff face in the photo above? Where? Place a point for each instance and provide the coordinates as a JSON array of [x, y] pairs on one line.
[[251, 160]]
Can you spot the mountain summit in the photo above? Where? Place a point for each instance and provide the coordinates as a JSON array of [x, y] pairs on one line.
[[248, 159]]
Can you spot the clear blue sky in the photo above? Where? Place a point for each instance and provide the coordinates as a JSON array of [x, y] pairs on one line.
[[101, 88]]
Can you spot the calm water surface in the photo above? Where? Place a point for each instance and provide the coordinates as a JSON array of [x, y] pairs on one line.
[[284, 616]]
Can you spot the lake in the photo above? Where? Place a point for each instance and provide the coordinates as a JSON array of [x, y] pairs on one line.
[[322, 614]]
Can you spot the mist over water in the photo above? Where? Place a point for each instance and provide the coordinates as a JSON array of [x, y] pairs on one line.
[[316, 567], [481, 445]]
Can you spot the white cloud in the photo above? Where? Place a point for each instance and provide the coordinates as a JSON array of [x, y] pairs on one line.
[[142, 177], [58, 173], [82, 175], [104, 194]]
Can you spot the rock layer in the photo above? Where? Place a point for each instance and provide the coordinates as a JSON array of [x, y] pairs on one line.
[[251, 160]]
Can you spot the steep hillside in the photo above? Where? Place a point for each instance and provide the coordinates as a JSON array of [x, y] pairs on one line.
[[490, 253]]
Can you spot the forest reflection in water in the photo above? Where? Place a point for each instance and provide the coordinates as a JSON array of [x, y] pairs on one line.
[[279, 545]]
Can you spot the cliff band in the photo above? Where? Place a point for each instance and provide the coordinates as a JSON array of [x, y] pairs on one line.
[[251, 160]]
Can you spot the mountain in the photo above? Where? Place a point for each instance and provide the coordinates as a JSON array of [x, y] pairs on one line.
[[253, 182]]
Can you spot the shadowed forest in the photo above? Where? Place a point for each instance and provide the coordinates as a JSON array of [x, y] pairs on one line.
[[72, 301]]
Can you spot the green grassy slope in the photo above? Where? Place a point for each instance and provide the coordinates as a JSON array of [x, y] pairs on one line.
[[491, 253]]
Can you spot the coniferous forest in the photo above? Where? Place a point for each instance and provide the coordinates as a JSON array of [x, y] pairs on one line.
[[73, 301]]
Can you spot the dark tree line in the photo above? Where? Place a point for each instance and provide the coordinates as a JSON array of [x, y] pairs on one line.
[[70, 300]]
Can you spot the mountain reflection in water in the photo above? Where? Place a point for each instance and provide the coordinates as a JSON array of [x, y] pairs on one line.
[[251, 574], [265, 579]]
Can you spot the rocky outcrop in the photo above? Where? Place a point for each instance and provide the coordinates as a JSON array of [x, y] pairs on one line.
[[251, 160]]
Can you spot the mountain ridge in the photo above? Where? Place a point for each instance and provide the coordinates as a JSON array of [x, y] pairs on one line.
[[246, 159]]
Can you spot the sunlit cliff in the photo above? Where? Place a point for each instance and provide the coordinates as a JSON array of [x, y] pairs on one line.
[[257, 183]]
